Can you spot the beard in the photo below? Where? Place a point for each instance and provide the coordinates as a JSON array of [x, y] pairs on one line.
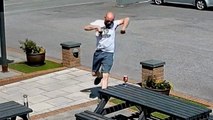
[[109, 25]]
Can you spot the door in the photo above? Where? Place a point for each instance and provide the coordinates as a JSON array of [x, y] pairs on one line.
[[180, 1]]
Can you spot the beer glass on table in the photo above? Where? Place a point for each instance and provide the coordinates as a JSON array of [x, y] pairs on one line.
[[125, 79]]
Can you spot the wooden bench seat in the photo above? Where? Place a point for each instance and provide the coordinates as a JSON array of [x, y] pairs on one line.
[[88, 115], [12, 109]]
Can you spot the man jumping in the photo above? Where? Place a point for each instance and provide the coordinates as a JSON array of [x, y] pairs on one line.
[[105, 46]]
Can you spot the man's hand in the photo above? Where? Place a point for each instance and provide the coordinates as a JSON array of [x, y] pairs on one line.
[[123, 31], [124, 22], [99, 30]]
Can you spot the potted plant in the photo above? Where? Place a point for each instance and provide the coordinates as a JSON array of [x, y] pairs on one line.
[[35, 54], [154, 84]]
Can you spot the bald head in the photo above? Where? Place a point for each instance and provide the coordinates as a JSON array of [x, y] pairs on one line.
[[109, 16]]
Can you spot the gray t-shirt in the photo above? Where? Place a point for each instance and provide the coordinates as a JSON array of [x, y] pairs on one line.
[[106, 41]]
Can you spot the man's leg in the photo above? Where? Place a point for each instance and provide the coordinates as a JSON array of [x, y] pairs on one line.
[[97, 73], [98, 78], [106, 67], [96, 66], [104, 80]]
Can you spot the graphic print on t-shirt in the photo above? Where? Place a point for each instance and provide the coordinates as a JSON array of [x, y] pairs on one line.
[[105, 33]]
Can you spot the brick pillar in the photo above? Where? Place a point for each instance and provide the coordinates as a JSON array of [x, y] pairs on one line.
[[71, 54], [152, 68]]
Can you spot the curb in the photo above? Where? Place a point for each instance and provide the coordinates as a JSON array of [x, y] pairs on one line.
[[25, 76]]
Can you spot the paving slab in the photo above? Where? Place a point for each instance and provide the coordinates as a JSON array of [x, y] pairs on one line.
[[10, 73]]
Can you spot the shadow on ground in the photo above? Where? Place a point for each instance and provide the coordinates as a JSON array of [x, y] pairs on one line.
[[123, 117], [93, 91]]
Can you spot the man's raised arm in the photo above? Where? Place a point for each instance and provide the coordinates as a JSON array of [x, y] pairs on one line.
[[124, 23], [92, 27]]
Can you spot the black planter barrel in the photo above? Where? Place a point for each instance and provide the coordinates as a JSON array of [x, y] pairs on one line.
[[162, 91], [35, 59]]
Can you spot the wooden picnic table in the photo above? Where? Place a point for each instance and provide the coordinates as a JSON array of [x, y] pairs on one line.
[[11, 110], [148, 101]]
